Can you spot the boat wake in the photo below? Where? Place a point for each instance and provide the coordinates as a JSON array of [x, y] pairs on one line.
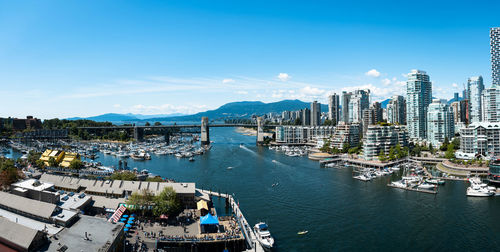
[[247, 149]]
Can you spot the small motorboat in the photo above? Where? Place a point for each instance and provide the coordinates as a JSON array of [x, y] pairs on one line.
[[191, 159], [263, 235], [303, 232]]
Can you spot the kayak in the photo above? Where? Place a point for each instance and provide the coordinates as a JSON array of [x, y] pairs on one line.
[[303, 232]]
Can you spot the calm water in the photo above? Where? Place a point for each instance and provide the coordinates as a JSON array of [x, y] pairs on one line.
[[340, 213]]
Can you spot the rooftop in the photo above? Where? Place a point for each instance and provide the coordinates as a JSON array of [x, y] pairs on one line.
[[29, 206], [16, 233], [74, 237], [33, 184]]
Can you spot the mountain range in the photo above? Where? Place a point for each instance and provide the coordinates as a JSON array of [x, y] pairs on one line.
[[243, 109]]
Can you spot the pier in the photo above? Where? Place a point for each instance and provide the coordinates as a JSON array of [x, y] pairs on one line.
[[361, 163], [247, 230]]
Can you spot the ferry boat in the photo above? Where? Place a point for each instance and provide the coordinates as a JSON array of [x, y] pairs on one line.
[[263, 235]]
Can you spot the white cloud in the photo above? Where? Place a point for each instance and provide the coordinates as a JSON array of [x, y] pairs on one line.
[[225, 81], [311, 91], [284, 76], [386, 82], [373, 73]]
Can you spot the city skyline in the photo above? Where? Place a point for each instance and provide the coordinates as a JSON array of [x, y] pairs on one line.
[[163, 58]]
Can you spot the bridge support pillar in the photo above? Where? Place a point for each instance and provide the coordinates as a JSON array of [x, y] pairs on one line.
[[138, 134], [205, 134], [260, 131]]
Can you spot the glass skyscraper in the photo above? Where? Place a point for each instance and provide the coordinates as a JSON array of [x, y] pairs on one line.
[[495, 56], [475, 88], [419, 96]]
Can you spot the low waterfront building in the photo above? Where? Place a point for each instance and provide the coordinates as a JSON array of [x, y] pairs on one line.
[[494, 171], [89, 234], [479, 139], [345, 134], [34, 189], [37, 210], [301, 134], [16, 237], [381, 138], [121, 188]]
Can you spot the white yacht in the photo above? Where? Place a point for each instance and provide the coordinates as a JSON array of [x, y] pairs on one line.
[[363, 177], [263, 235], [478, 191], [426, 186]]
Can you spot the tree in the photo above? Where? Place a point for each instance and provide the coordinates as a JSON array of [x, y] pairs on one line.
[[154, 179], [431, 148], [157, 123], [147, 124], [40, 164], [142, 200], [126, 175], [381, 156], [166, 202], [75, 164], [52, 162], [444, 146], [327, 122], [450, 152], [456, 143], [297, 122], [346, 147], [8, 173]]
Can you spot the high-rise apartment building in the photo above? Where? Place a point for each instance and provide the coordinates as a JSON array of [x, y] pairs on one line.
[[419, 96], [475, 88], [495, 56], [440, 123], [346, 99], [491, 104], [360, 100], [315, 113], [396, 110], [306, 117], [333, 108]]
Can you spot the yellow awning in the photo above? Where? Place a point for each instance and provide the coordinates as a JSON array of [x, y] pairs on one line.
[[202, 205]]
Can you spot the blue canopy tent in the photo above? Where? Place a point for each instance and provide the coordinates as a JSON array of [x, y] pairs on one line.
[[125, 216], [131, 218], [130, 222], [123, 219], [125, 229], [209, 223], [128, 225], [209, 220]]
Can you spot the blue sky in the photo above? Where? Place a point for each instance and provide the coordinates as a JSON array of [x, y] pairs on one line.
[[83, 58]]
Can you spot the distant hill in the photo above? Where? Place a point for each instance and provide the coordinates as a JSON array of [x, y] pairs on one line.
[[384, 103], [245, 109], [113, 117]]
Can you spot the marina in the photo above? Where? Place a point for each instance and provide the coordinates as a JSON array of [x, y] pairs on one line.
[[332, 194]]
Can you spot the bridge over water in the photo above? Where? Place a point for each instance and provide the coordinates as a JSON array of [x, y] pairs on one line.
[[168, 130]]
